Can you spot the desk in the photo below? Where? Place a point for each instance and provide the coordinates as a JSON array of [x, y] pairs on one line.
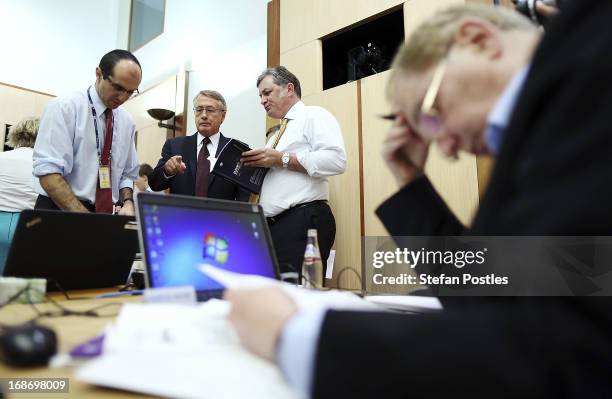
[[71, 331]]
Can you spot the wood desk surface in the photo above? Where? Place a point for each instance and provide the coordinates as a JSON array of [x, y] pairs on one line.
[[71, 331]]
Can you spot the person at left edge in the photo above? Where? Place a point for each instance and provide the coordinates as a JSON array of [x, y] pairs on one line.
[[85, 156]]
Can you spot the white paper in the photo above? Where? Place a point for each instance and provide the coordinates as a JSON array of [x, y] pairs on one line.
[[411, 303], [182, 351]]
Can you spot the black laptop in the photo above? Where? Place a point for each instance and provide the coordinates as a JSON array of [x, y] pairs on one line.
[[73, 250], [180, 234]]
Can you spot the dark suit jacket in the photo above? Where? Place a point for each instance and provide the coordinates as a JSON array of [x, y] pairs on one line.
[[552, 177], [184, 183]]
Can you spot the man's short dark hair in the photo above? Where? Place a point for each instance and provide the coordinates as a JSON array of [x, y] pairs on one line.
[[281, 76], [145, 170], [110, 59]]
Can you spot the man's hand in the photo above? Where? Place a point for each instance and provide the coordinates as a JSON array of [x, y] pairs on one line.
[[546, 10], [263, 157], [174, 165], [127, 209], [259, 317], [404, 152]]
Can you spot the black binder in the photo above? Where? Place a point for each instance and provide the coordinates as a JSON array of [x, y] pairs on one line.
[[229, 167]]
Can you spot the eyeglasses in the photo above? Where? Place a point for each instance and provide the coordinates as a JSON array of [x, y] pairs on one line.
[[208, 110], [428, 121], [119, 88], [428, 124]]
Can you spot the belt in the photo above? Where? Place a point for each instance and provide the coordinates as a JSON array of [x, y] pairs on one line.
[[274, 219]]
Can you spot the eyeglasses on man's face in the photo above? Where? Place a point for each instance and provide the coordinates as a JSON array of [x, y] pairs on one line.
[[427, 121], [207, 110], [120, 89]]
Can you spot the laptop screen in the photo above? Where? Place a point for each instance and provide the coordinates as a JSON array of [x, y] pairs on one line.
[[178, 239]]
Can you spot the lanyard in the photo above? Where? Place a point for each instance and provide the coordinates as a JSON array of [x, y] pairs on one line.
[[95, 120]]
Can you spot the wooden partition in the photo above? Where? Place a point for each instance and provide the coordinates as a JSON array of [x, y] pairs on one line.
[[345, 190], [18, 103], [150, 138]]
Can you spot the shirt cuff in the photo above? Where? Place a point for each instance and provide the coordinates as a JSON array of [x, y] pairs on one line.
[[48, 168], [129, 183], [304, 160], [297, 348]]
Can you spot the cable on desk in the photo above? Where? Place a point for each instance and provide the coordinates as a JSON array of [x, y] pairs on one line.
[[63, 311]]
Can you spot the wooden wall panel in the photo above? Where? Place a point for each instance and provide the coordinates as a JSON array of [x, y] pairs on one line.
[[342, 102], [306, 63], [378, 182], [273, 33], [416, 11], [18, 103], [303, 21], [170, 94], [149, 143], [456, 181]]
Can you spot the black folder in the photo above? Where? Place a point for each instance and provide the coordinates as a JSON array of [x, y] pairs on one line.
[[229, 167]]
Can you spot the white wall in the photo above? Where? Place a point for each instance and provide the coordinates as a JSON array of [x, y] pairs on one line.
[[54, 46], [223, 46]]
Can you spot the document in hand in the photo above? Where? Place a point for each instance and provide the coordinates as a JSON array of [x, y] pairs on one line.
[[303, 297], [228, 166], [182, 351], [330, 299]]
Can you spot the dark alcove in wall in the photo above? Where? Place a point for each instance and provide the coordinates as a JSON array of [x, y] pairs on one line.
[[362, 49]]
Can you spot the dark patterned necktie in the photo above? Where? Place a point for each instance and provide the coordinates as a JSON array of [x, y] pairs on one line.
[[203, 170]]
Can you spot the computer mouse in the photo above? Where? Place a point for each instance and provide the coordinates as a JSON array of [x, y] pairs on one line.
[[27, 345]]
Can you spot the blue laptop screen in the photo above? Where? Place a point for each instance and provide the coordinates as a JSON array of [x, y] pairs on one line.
[[178, 241]]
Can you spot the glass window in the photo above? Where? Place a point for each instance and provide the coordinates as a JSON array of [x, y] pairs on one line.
[[146, 22]]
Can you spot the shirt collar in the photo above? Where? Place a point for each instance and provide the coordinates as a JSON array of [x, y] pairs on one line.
[[97, 102], [499, 117], [296, 110], [214, 139]]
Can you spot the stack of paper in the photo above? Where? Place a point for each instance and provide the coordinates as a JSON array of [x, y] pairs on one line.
[[182, 351]]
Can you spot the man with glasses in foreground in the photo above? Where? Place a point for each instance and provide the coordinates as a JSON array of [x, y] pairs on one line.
[[551, 177], [186, 162], [85, 156]]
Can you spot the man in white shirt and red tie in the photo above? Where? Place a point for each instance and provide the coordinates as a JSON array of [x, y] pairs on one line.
[[304, 152], [85, 156]]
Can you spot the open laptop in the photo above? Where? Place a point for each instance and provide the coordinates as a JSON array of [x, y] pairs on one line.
[[73, 250], [180, 234]]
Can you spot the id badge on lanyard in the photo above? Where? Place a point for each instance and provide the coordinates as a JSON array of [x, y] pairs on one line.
[[104, 176], [104, 171]]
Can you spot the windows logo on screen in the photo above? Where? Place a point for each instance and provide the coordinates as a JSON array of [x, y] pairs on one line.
[[215, 249]]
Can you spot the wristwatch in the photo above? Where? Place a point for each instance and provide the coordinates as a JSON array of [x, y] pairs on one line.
[[285, 159]]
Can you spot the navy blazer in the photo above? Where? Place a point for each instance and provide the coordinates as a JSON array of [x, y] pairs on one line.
[[184, 183]]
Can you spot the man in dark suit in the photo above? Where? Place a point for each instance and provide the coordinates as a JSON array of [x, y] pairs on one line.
[[551, 177], [185, 162]]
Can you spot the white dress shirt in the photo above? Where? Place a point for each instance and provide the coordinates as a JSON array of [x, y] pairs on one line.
[[16, 192], [66, 144], [314, 135], [212, 146]]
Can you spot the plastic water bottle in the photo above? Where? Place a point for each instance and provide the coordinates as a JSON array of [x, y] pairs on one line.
[[312, 267]]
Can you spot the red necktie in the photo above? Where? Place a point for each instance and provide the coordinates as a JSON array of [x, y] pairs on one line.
[[104, 196], [203, 170]]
